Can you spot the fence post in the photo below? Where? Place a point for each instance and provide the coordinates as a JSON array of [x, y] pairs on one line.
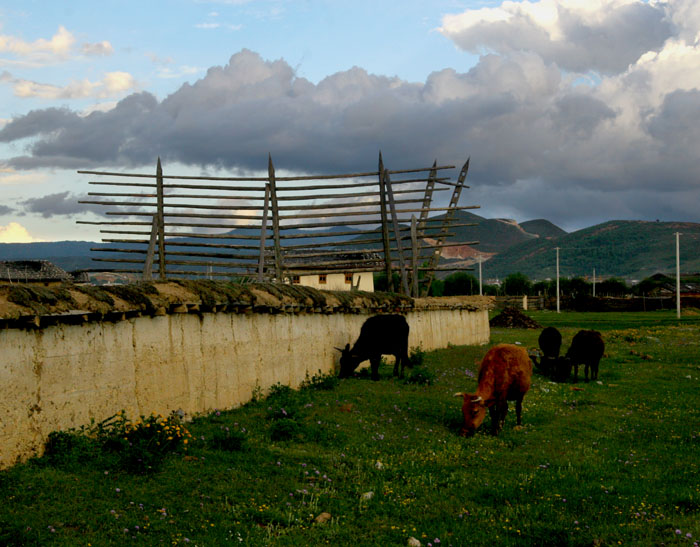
[[161, 221], [263, 234], [449, 215], [275, 219], [148, 265], [414, 257], [397, 233], [385, 225]]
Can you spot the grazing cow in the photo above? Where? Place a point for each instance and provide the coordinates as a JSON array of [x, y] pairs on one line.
[[379, 335], [586, 348], [504, 376], [550, 344]]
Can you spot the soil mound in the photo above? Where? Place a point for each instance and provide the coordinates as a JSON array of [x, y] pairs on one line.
[[513, 318]]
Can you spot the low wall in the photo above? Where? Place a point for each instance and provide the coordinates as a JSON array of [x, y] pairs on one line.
[[63, 375]]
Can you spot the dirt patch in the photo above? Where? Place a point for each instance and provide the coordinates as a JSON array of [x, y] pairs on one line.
[[513, 318]]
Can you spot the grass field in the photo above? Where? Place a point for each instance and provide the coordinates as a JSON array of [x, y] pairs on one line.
[[615, 462]]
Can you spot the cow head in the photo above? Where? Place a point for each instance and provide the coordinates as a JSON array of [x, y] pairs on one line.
[[348, 362], [474, 411]]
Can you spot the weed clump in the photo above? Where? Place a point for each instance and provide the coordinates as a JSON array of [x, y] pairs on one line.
[[421, 376], [134, 447]]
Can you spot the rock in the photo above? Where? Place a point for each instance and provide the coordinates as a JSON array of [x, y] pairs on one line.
[[323, 517], [413, 542], [368, 496]]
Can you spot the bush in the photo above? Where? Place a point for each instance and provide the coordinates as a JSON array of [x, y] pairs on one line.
[[416, 357], [320, 381], [142, 446], [421, 376]]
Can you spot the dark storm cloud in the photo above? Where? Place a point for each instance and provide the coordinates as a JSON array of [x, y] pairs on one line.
[[5, 210], [61, 203], [516, 115]]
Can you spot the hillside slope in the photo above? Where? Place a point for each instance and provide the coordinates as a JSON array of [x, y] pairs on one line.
[[629, 249]]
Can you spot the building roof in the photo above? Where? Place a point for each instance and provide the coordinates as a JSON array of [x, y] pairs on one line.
[[31, 270]]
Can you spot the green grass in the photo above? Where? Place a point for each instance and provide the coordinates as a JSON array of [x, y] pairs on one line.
[[602, 464]]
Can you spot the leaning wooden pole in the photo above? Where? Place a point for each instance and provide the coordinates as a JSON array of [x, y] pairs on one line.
[[385, 225], [275, 219], [449, 217], [414, 258], [263, 235], [397, 236], [161, 221]]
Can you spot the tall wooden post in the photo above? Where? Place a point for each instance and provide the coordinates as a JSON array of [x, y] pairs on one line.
[[447, 220], [397, 233], [161, 221], [414, 257], [385, 225], [263, 234], [275, 219], [148, 265]]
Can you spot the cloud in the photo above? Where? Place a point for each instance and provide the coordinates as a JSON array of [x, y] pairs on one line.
[[10, 176], [600, 35], [59, 46], [59, 204], [621, 143], [99, 49], [5, 210], [15, 233], [113, 84]]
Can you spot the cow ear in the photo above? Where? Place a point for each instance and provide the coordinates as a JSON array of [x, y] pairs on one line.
[[339, 349], [347, 347]]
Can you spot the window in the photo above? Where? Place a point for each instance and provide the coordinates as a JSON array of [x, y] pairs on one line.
[[348, 279], [322, 279], [295, 280]]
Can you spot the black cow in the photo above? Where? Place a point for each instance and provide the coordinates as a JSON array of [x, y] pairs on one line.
[[379, 335], [550, 344], [586, 348]]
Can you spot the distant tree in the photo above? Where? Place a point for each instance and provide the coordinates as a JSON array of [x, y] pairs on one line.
[[578, 287], [517, 284], [491, 290], [544, 288], [437, 288], [461, 283], [380, 282], [612, 287], [647, 285]]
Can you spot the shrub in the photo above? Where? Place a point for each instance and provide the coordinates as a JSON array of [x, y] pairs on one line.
[[321, 381], [142, 446], [416, 356], [421, 376]]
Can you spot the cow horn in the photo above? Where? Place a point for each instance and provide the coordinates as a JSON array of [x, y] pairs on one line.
[[477, 400], [458, 394], [339, 349]]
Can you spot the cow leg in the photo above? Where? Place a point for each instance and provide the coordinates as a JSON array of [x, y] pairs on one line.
[[585, 370], [594, 370], [518, 411], [374, 363], [396, 365], [576, 373]]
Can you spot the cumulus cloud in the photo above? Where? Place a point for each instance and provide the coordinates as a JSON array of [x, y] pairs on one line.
[[526, 115], [15, 233], [600, 35], [99, 49], [113, 84], [61, 203], [57, 47], [5, 210]]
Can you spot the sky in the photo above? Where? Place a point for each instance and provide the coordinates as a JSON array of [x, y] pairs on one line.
[[576, 111]]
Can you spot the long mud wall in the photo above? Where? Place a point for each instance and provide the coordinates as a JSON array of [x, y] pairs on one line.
[[66, 373]]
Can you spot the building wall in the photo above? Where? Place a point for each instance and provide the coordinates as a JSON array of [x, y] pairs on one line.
[[63, 376], [336, 282]]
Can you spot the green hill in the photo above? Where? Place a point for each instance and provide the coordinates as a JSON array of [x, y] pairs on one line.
[[620, 248]]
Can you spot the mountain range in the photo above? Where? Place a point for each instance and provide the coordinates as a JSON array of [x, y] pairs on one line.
[[627, 249]]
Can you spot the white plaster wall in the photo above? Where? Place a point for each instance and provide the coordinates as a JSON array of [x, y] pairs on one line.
[[62, 376], [336, 282]]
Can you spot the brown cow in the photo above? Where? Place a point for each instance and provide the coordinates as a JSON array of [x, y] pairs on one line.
[[504, 376]]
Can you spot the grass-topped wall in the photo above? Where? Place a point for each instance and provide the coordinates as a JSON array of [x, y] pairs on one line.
[[74, 353]]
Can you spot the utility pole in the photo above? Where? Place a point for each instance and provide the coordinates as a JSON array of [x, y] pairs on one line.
[[557, 249], [678, 277], [593, 282], [481, 292]]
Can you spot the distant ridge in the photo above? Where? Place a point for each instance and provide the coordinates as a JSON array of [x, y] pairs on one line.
[[622, 248]]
